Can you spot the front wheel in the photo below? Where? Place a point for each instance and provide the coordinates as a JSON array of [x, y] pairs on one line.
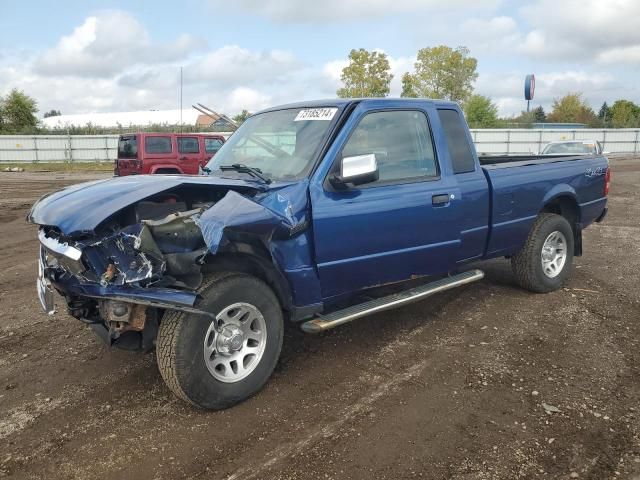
[[215, 364], [544, 262]]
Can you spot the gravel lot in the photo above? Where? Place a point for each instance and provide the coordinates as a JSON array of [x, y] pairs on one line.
[[487, 381]]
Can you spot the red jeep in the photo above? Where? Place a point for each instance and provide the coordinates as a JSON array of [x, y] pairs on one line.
[[176, 153]]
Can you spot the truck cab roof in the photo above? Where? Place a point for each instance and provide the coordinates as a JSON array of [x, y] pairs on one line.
[[344, 102]]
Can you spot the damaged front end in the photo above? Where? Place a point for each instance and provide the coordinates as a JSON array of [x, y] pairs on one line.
[[120, 272], [120, 282]]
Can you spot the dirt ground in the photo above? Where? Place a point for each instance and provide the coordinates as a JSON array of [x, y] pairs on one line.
[[487, 381]]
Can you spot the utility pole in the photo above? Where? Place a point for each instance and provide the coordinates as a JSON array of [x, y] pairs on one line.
[[180, 99]]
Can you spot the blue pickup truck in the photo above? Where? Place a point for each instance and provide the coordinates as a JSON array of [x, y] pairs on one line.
[[302, 215]]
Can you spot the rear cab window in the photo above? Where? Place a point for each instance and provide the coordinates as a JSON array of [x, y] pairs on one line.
[[157, 144], [188, 145], [128, 146], [455, 132]]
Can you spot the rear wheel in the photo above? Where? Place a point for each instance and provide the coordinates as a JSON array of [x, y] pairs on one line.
[[544, 262], [215, 364]]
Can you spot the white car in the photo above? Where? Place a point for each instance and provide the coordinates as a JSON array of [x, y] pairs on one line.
[[579, 147]]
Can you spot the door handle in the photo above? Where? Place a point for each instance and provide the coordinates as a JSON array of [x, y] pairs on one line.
[[440, 200]]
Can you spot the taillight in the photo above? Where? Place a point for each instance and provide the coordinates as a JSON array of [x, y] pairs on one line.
[[607, 181]]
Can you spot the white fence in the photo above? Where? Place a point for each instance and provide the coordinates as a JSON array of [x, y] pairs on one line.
[[58, 148], [99, 148], [515, 141]]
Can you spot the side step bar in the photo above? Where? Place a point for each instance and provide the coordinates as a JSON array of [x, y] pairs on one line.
[[334, 319]]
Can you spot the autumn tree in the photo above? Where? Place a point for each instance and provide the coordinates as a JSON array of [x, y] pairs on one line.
[[367, 75], [441, 72], [481, 112], [625, 114], [572, 109], [18, 113]]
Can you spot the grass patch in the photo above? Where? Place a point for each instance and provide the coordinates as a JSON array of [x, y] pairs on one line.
[[61, 166]]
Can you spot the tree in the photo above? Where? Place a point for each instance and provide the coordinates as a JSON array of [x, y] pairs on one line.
[[441, 72], [605, 115], [409, 86], [367, 75], [481, 112], [52, 113], [539, 115], [572, 109], [625, 114], [526, 119], [241, 117], [18, 113]]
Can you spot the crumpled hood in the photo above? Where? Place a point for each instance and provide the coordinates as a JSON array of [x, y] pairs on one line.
[[82, 207]]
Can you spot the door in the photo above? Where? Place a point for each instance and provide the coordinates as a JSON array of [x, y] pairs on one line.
[[399, 226], [188, 154]]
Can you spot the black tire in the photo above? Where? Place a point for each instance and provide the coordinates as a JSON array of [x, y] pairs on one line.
[[527, 264], [180, 344]]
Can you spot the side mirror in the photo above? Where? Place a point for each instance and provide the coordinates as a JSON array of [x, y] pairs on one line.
[[357, 170]]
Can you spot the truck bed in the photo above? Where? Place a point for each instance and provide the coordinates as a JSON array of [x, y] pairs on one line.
[[521, 185]]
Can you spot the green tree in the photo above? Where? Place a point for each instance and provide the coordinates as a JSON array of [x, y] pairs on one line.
[[604, 115], [625, 114], [525, 119], [241, 117], [52, 113], [441, 72], [481, 112], [18, 113], [539, 115], [367, 75], [572, 109], [409, 86]]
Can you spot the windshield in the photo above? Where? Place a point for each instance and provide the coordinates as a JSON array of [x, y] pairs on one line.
[[569, 147], [280, 144]]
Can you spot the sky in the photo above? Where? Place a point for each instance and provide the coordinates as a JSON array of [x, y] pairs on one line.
[[99, 56]]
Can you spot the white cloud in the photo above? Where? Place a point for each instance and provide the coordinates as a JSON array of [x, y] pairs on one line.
[[620, 55], [242, 98], [582, 30], [232, 65], [333, 71], [292, 11], [491, 35], [107, 44]]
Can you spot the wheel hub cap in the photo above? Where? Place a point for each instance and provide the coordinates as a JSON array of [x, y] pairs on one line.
[[229, 339], [554, 254], [234, 343]]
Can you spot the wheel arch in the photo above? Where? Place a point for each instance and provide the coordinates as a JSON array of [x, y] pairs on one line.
[[252, 260], [168, 169], [566, 205]]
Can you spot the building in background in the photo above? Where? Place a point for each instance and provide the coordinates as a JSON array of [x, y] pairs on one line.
[[142, 118]]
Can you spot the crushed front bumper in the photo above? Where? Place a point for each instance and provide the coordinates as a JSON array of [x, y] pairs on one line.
[[92, 302]]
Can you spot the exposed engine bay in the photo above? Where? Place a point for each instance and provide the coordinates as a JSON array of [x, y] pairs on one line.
[[149, 255]]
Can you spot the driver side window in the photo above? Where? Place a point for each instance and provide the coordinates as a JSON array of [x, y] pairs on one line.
[[401, 142]]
